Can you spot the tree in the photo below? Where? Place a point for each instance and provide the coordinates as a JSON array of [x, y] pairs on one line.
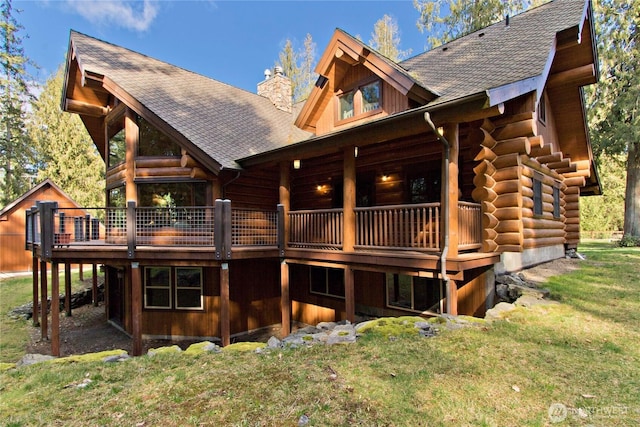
[[460, 17], [386, 39], [606, 213], [16, 155], [66, 152], [298, 66], [614, 116]]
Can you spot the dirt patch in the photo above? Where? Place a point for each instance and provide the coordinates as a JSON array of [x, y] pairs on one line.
[[540, 273]]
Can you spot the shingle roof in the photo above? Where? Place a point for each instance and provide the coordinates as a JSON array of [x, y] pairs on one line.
[[497, 55], [225, 122]]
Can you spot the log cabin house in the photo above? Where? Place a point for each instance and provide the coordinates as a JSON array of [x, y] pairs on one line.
[[394, 188]]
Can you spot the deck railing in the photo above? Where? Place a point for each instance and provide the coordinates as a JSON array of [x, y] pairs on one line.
[[413, 227], [320, 228], [403, 227], [469, 225]]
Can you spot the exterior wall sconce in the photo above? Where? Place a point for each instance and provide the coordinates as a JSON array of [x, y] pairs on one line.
[[296, 164], [319, 187], [385, 178], [355, 152]]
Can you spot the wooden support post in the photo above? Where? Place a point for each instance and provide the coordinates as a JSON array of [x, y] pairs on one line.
[[285, 198], [44, 324], [80, 272], [94, 285], [349, 294], [67, 288], [452, 298], [225, 323], [35, 268], [452, 135], [285, 301], [55, 309], [349, 199], [136, 308]]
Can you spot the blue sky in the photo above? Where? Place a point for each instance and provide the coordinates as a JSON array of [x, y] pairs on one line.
[[230, 41]]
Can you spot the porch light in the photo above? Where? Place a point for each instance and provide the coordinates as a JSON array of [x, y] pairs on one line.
[[319, 187], [385, 177], [296, 164], [355, 152]]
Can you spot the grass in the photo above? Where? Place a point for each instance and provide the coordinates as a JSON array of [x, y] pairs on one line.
[[583, 353], [15, 292]]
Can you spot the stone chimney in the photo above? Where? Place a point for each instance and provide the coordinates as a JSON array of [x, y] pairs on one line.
[[277, 88]]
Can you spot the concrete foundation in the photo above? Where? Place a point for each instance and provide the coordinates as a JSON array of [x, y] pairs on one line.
[[515, 261]]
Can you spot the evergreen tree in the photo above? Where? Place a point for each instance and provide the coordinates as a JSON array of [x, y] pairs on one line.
[[298, 66], [16, 155], [446, 21], [66, 152], [614, 116], [386, 39]]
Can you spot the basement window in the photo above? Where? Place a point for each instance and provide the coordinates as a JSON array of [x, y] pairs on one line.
[[537, 196], [178, 288], [412, 293], [327, 281]]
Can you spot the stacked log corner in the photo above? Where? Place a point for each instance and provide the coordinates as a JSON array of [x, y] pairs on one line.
[[510, 156]]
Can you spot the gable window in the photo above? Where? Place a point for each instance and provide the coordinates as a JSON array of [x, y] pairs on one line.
[[537, 196], [360, 102], [327, 281], [177, 288], [542, 109], [155, 143], [117, 146], [413, 293]]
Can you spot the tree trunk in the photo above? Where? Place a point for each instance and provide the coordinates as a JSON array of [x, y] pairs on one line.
[[632, 194]]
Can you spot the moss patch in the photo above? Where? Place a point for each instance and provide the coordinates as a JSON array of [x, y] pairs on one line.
[[244, 346], [6, 366], [164, 350], [393, 326], [201, 348]]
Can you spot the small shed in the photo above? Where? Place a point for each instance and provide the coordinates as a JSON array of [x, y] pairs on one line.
[[13, 256]]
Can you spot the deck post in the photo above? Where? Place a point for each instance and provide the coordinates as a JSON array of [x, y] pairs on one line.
[[55, 309], [285, 203], [451, 133], [349, 294], [218, 230], [285, 300], [44, 304], [35, 268], [94, 285], [131, 228], [67, 288], [452, 297], [349, 199], [225, 330], [136, 308], [80, 272]]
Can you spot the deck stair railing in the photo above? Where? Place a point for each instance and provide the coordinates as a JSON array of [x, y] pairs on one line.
[[402, 227]]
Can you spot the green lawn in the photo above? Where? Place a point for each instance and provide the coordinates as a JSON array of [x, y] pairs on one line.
[[581, 358]]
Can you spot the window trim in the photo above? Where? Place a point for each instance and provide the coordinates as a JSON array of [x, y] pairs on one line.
[[412, 309], [173, 289], [538, 205], [358, 102], [326, 282]]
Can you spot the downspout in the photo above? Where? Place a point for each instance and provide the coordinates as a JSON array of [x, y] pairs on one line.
[[445, 202]]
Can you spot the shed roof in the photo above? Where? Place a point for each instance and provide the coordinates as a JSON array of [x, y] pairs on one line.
[[38, 188]]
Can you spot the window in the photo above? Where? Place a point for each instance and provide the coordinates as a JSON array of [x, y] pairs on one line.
[[168, 195], [370, 97], [413, 293], [157, 287], [556, 202], [173, 288], [116, 197], [153, 142], [542, 109], [188, 287], [359, 102], [117, 143], [327, 281], [424, 183], [346, 105], [537, 196]]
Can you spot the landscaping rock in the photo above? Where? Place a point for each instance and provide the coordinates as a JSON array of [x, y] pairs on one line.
[[498, 312], [274, 343], [32, 359]]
